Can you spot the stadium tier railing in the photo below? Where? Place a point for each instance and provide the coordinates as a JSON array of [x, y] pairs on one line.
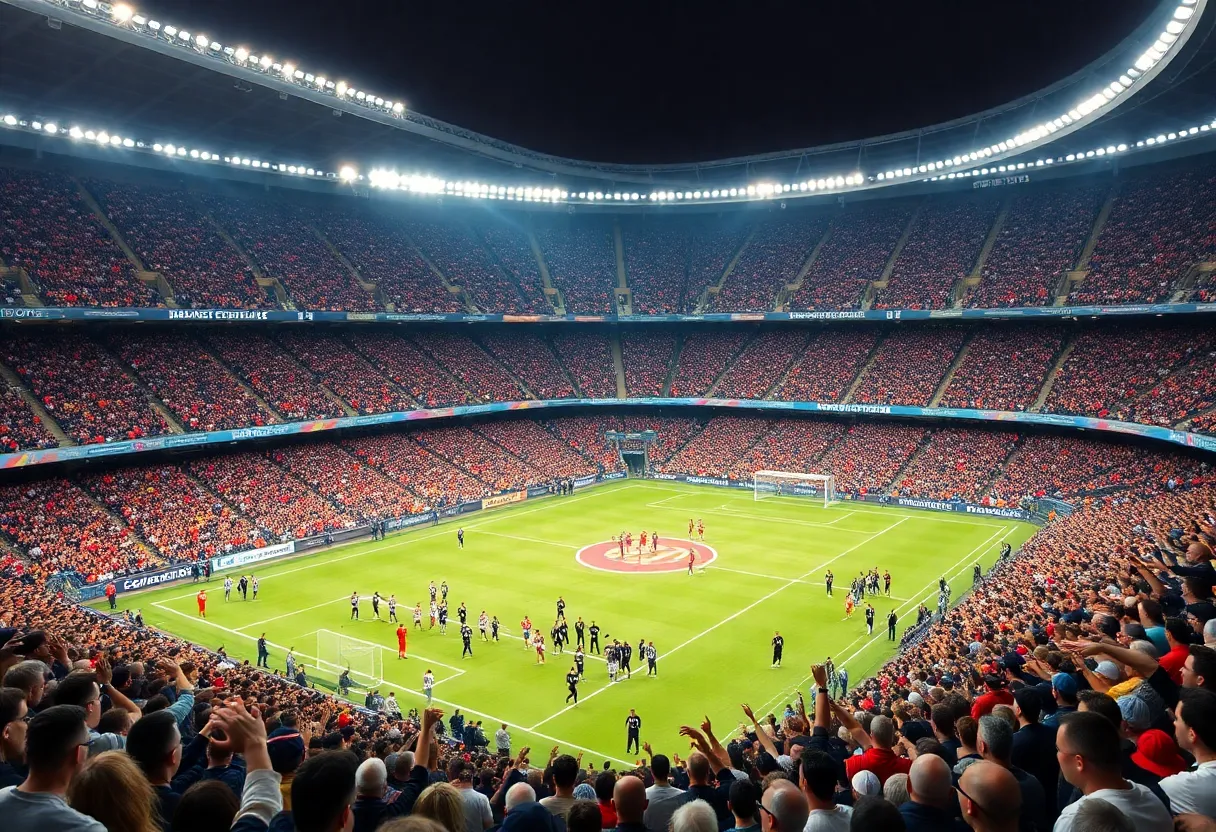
[[21, 459], [91, 313]]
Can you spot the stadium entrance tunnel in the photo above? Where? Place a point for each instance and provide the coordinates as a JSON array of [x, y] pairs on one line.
[[670, 555]]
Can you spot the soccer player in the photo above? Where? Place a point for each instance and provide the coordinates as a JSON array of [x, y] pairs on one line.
[[525, 626], [594, 630], [610, 657], [242, 587], [392, 608], [628, 541], [376, 605], [976, 574], [561, 607], [483, 621], [434, 592], [227, 587], [690, 528], [572, 678], [579, 659], [540, 649], [1005, 549], [701, 529], [869, 619], [652, 660], [620, 541], [827, 580], [443, 619], [466, 636], [460, 538], [892, 620], [402, 637], [556, 634], [202, 603], [463, 612], [579, 629], [886, 581], [494, 625], [941, 584], [254, 581], [633, 725], [848, 607], [692, 559], [354, 606], [778, 646], [443, 591], [642, 541], [434, 614], [654, 541], [428, 683], [626, 651], [418, 616]]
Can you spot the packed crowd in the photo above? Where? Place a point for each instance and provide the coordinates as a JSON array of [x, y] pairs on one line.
[[1114, 364], [828, 365], [20, 427], [472, 366], [712, 249], [412, 369], [509, 247], [588, 357], [531, 359], [285, 384], [47, 229], [1043, 236], [955, 465], [10, 291], [585, 436], [713, 451], [908, 366], [1190, 388], [348, 483], [941, 250], [582, 264], [656, 263], [1003, 369], [531, 442], [869, 455], [647, 360], [400, 458], [345, 373], [169, 232], [773, 257], [1161, 223], [198, 390], [482, 458], [82, 387], [855, 253], [761, 365], [278, 237], [790, 445], [704, 356], [463, 260]]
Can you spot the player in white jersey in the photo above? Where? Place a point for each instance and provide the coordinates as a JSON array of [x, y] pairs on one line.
[[254, 586], [392, 608], [434, 614], [612, 666], [354, 606], [483, 622], [418, 616], [428, 682], [227, 587]]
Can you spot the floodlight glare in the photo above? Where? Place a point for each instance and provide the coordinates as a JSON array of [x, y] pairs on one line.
[[347, 173], [128, 143], [76, 133], [288, 70], [398, 108], [202, 41], [154, 25], [170, 31], [1183, 13], [183, 36], [266, 61], [241, 54], [122, 12]]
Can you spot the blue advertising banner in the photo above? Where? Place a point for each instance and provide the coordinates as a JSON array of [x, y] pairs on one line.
[[21, 459], [187, 316]]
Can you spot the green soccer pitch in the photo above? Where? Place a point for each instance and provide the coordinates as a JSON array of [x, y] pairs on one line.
[[712, 630]]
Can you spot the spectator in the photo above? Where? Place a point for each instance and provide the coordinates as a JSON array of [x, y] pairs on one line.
[[818, 777], [55, 752], [877, 742], [1088, 750], [1195, 727], [1034, 744], [111, 788], [996, 746], [873, 813], [698, 816], [930, 805], [477, 815], [989, 798], [895, 790], [629, 803], [605, 785], [13, 711], [662, 798], [584, 816], [565, 773], [441, 803], [206, 806], [783, 808]]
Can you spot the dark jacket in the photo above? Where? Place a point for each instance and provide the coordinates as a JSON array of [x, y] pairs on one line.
[[1034, 751], [921, 818]]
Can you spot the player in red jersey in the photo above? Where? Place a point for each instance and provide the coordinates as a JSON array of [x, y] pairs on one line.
[[848, 607], [202, 603], [621, 542], [642, 543], [701, 530], [692, 558], [690, 528], [628, 541], [401, 637], [654, 541], [525, 627]]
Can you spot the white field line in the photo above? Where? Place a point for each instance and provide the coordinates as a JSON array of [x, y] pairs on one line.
[[418, 693], [733, 616], [797, 580], [412, 538], [293, 612], [954, 569], [573, 546]]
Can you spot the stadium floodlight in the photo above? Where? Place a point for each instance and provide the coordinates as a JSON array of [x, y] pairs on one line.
[[347, 173], [1183, 13], [170, 31], [266, 62], [241, 54], [398, 108], [51, 127], [121, 12], [154, 25], [289, 71]]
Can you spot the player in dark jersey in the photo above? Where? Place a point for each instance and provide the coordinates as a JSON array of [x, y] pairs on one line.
[[392, 608], [778, 646], [376, 605], [434, 592], [976, 574], [892, 620], [1005, 549], [572, 678], [579, 632], [443, 619], [827, 579], [626, 652], [466, 635], [594, 630], [654, 541], [463, 612], [886, 581], [556, 635], [443, 591], [633, 727], [494, 625], [561, 607], [869, 619], [579, 659], [460, 538], [652, 660]]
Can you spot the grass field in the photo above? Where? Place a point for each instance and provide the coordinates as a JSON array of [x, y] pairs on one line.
[[712, 630]]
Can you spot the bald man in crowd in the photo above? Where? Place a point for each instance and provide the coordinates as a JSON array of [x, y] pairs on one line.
[[989, 797], [930, 805], [783, 808], [629, 800]]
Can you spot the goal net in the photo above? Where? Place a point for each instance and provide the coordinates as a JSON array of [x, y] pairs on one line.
[[790, 484], [363, 659]]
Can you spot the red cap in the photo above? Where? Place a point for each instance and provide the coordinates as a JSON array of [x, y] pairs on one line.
[[1156, 753]]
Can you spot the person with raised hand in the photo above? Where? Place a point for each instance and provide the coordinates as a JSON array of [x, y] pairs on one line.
[[235, 730]]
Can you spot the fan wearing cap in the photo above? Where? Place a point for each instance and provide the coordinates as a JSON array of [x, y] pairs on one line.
[[1195, 729]]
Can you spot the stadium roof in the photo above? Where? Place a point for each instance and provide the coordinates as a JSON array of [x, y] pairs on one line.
[[66, 61]]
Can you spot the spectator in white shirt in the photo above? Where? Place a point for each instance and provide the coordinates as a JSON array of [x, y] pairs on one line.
[[817, 777], [1195, 729], [1087, 748]]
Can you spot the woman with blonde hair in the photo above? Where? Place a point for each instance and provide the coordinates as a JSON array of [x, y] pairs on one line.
[[442, 803], [111, 788]]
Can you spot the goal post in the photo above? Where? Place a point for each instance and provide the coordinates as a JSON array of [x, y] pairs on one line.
[[792, 484], [337, 652]]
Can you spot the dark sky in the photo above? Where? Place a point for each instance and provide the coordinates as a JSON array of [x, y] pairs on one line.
[[667, 81]]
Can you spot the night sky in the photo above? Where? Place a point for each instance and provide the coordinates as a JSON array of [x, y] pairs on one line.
[[659, 82]]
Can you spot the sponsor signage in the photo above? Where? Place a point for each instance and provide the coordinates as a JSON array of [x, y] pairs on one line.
[[410, 520], [504, 499], [145, 580], [252, 556]]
